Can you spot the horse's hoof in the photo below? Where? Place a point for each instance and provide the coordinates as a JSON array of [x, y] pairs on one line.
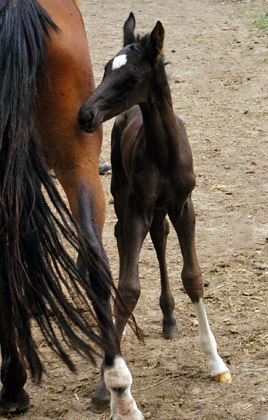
[[21, 405], [137, 416], [98, 405], [101, 398], [224, 378]]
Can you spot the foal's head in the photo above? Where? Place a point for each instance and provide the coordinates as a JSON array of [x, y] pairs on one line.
[[127, 77]]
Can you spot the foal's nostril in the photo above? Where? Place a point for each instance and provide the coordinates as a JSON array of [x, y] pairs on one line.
[[85, 119]]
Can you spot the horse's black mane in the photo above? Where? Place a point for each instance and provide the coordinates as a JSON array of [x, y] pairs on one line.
[[144, 39]]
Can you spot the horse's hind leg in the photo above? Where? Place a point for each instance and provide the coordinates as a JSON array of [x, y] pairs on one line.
[[193, 284], [13, 374], [85, 194], [159, 231]]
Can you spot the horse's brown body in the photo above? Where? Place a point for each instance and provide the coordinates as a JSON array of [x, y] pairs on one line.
[[70, 152]]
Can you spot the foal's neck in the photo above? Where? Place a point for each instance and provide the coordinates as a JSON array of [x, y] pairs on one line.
[[160, 125]]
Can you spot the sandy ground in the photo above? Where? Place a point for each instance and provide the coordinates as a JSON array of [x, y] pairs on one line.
[[218, 78]]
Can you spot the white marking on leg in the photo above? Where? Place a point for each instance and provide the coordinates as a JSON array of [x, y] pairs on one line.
[[207, 341], [119, 61], [118, 381]]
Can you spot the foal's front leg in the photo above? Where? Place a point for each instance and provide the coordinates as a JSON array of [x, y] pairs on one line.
[[193, 284], [133, 229]]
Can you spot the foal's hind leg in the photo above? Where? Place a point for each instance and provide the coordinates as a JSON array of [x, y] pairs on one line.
[[193, 284], [13, 374], [159, 231]]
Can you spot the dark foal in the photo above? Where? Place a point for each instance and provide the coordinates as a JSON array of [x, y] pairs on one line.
[[152, 177]]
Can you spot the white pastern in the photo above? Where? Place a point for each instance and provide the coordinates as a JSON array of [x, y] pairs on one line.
[[207, 341], [118, 381], [119, 61]]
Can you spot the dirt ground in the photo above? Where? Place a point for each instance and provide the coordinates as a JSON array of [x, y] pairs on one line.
[[218, 77]]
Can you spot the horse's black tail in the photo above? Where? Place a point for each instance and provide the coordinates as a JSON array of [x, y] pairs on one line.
[[37, 275]]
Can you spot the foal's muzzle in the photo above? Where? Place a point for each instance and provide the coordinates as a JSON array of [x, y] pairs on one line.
[[87, 120]]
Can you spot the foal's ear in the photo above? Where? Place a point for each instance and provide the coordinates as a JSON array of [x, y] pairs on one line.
[[157, 40], [129, 26]]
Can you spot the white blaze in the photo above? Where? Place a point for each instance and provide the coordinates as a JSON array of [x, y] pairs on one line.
[[119, 61]]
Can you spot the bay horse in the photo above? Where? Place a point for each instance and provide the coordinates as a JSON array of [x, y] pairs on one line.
[[152, 177], [46, 75]]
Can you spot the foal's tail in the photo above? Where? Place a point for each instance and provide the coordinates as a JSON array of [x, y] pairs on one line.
[[35, 269]]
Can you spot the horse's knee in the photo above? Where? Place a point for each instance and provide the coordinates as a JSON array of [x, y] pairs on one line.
[[193, 284]]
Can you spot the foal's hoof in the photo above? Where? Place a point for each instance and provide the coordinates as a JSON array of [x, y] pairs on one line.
[[22, 404], [224, 378], [170, 331]]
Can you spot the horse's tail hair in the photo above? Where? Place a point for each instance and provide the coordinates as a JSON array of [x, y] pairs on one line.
[[38, 277]]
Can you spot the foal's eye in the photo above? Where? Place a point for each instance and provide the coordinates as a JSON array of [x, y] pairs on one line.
[[132, 81]]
